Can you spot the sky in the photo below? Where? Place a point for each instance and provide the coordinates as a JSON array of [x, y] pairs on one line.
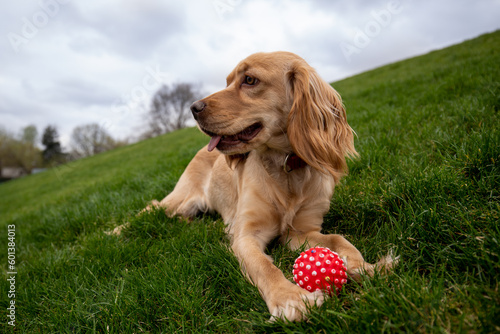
[[69, 63]]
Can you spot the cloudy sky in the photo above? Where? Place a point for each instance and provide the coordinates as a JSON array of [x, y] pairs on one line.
[[69, 62]]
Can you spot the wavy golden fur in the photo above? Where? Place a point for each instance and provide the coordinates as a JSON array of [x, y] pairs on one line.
[[317, 124], [274, 109]]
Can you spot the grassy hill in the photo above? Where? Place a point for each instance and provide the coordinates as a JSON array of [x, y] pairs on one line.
[[427, 184]]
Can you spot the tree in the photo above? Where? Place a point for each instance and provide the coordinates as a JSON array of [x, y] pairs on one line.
[[6, 138], [52, 151], [21, 153], [169, 109], [26, 152], [30, 134], [91, 139]]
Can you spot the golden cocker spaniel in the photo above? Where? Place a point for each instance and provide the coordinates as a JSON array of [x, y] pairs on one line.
[[279, 141]]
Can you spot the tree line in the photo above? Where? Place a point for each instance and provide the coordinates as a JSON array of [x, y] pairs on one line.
[[168, 111], [23, 150]]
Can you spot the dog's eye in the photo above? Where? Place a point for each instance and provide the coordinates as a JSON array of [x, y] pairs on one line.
[[249, 80]]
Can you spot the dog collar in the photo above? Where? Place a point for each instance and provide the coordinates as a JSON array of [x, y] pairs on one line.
[[292, 162]]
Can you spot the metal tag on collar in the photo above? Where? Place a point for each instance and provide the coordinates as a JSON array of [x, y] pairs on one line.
[[287, 168]]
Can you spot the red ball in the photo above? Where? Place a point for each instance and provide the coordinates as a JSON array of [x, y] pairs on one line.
[[319, 268]]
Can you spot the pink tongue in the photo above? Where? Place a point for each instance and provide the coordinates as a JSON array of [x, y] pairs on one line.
[[213, 142]]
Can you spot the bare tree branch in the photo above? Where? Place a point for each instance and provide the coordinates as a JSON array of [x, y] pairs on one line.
[[169, 110], [90, 139]]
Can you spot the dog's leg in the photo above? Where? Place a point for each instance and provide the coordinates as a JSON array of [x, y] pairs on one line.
[[189, 196], [356, 265], [284, 299]]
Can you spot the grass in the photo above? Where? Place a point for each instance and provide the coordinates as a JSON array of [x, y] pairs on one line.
[[426, 184]]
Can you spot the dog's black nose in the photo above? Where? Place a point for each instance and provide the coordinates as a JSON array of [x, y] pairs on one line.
[[198, 107]]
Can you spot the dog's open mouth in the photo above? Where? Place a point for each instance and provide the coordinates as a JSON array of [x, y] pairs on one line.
[[225, 142]]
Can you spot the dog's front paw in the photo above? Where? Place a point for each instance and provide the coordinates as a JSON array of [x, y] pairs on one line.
[[154, 205], [117, 230], [291, 303], [388, 263], [358, 269]]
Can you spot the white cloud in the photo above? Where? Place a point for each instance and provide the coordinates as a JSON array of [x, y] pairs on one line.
[[92, 61]]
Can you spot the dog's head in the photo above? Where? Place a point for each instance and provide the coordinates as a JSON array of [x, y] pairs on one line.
[[277, 101]]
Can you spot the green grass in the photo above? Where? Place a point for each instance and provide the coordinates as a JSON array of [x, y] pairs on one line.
[[427, 184]]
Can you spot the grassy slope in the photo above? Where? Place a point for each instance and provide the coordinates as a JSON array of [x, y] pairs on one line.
[[427, 184]]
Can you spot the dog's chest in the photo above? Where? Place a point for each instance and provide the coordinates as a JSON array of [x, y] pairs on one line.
[[272, 199], [291, 193]]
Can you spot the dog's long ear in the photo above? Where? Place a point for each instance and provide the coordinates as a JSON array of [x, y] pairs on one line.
[[317, 124]]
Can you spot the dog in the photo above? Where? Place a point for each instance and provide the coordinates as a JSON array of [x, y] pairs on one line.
[[279, 139]]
